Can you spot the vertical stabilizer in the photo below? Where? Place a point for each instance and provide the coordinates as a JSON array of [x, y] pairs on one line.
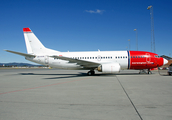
[[33, 45]]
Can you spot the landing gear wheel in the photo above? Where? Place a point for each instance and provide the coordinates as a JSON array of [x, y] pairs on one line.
[[149, 72], [91, 72]]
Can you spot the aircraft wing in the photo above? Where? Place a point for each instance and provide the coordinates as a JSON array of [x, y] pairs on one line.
[[85, 64], [19, 53]]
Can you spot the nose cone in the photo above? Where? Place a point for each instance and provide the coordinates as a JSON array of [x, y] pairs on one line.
[[165, 61]]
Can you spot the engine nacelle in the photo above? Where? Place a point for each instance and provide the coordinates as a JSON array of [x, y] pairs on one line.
[[109, 68]]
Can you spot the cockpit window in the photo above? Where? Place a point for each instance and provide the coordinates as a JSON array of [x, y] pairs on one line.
[[156, 56]]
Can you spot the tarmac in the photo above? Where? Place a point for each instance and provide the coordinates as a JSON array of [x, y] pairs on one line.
[[53, 94]]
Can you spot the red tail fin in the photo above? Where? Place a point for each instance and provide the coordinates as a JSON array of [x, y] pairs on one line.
[[26, 30]]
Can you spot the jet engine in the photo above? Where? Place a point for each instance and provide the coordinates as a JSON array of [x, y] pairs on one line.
[[109, 68]]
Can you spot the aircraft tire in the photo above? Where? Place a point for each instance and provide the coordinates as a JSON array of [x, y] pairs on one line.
[[91, 72]]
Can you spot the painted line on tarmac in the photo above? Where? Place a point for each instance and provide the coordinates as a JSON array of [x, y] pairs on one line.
[[45, 86], [130, 99]]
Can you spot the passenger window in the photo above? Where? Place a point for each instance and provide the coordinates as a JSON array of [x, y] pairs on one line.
[[133, 56]]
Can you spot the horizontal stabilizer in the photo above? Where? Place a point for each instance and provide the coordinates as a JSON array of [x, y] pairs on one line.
[[19, 53]]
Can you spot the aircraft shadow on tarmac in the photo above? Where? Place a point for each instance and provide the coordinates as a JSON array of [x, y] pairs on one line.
[[80, 74], [59, 76]]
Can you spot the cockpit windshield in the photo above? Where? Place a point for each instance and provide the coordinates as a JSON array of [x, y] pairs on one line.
[[157, 56]]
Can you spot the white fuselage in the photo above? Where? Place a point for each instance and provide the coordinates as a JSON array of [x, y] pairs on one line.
[[101, 57]]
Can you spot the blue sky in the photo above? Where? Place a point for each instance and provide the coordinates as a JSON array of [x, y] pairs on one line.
[[85, 25]]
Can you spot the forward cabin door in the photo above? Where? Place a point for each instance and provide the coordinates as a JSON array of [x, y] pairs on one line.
[[148, 58]]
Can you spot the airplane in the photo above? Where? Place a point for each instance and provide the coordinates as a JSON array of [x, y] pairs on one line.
[[102, 61]]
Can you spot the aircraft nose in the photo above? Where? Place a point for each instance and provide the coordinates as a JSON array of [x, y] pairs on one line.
[[165, 61]]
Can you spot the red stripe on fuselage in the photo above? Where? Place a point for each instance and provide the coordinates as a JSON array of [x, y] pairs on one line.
[[144, 60]]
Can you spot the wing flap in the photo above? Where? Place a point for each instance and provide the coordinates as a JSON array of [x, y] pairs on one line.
[[86, 64], [22, 54]]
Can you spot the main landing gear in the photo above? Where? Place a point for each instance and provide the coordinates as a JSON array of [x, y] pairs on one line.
[[91, 72]]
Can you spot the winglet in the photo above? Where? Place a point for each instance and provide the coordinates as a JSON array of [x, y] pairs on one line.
[[26, 30]]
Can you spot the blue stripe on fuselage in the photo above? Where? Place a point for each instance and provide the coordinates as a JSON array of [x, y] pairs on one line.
[[128, 59]]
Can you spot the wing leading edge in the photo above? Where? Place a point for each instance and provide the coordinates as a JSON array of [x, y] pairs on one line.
[[85, 64]]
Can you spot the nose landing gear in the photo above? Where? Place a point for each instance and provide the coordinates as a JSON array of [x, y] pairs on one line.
[[149, 72]]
